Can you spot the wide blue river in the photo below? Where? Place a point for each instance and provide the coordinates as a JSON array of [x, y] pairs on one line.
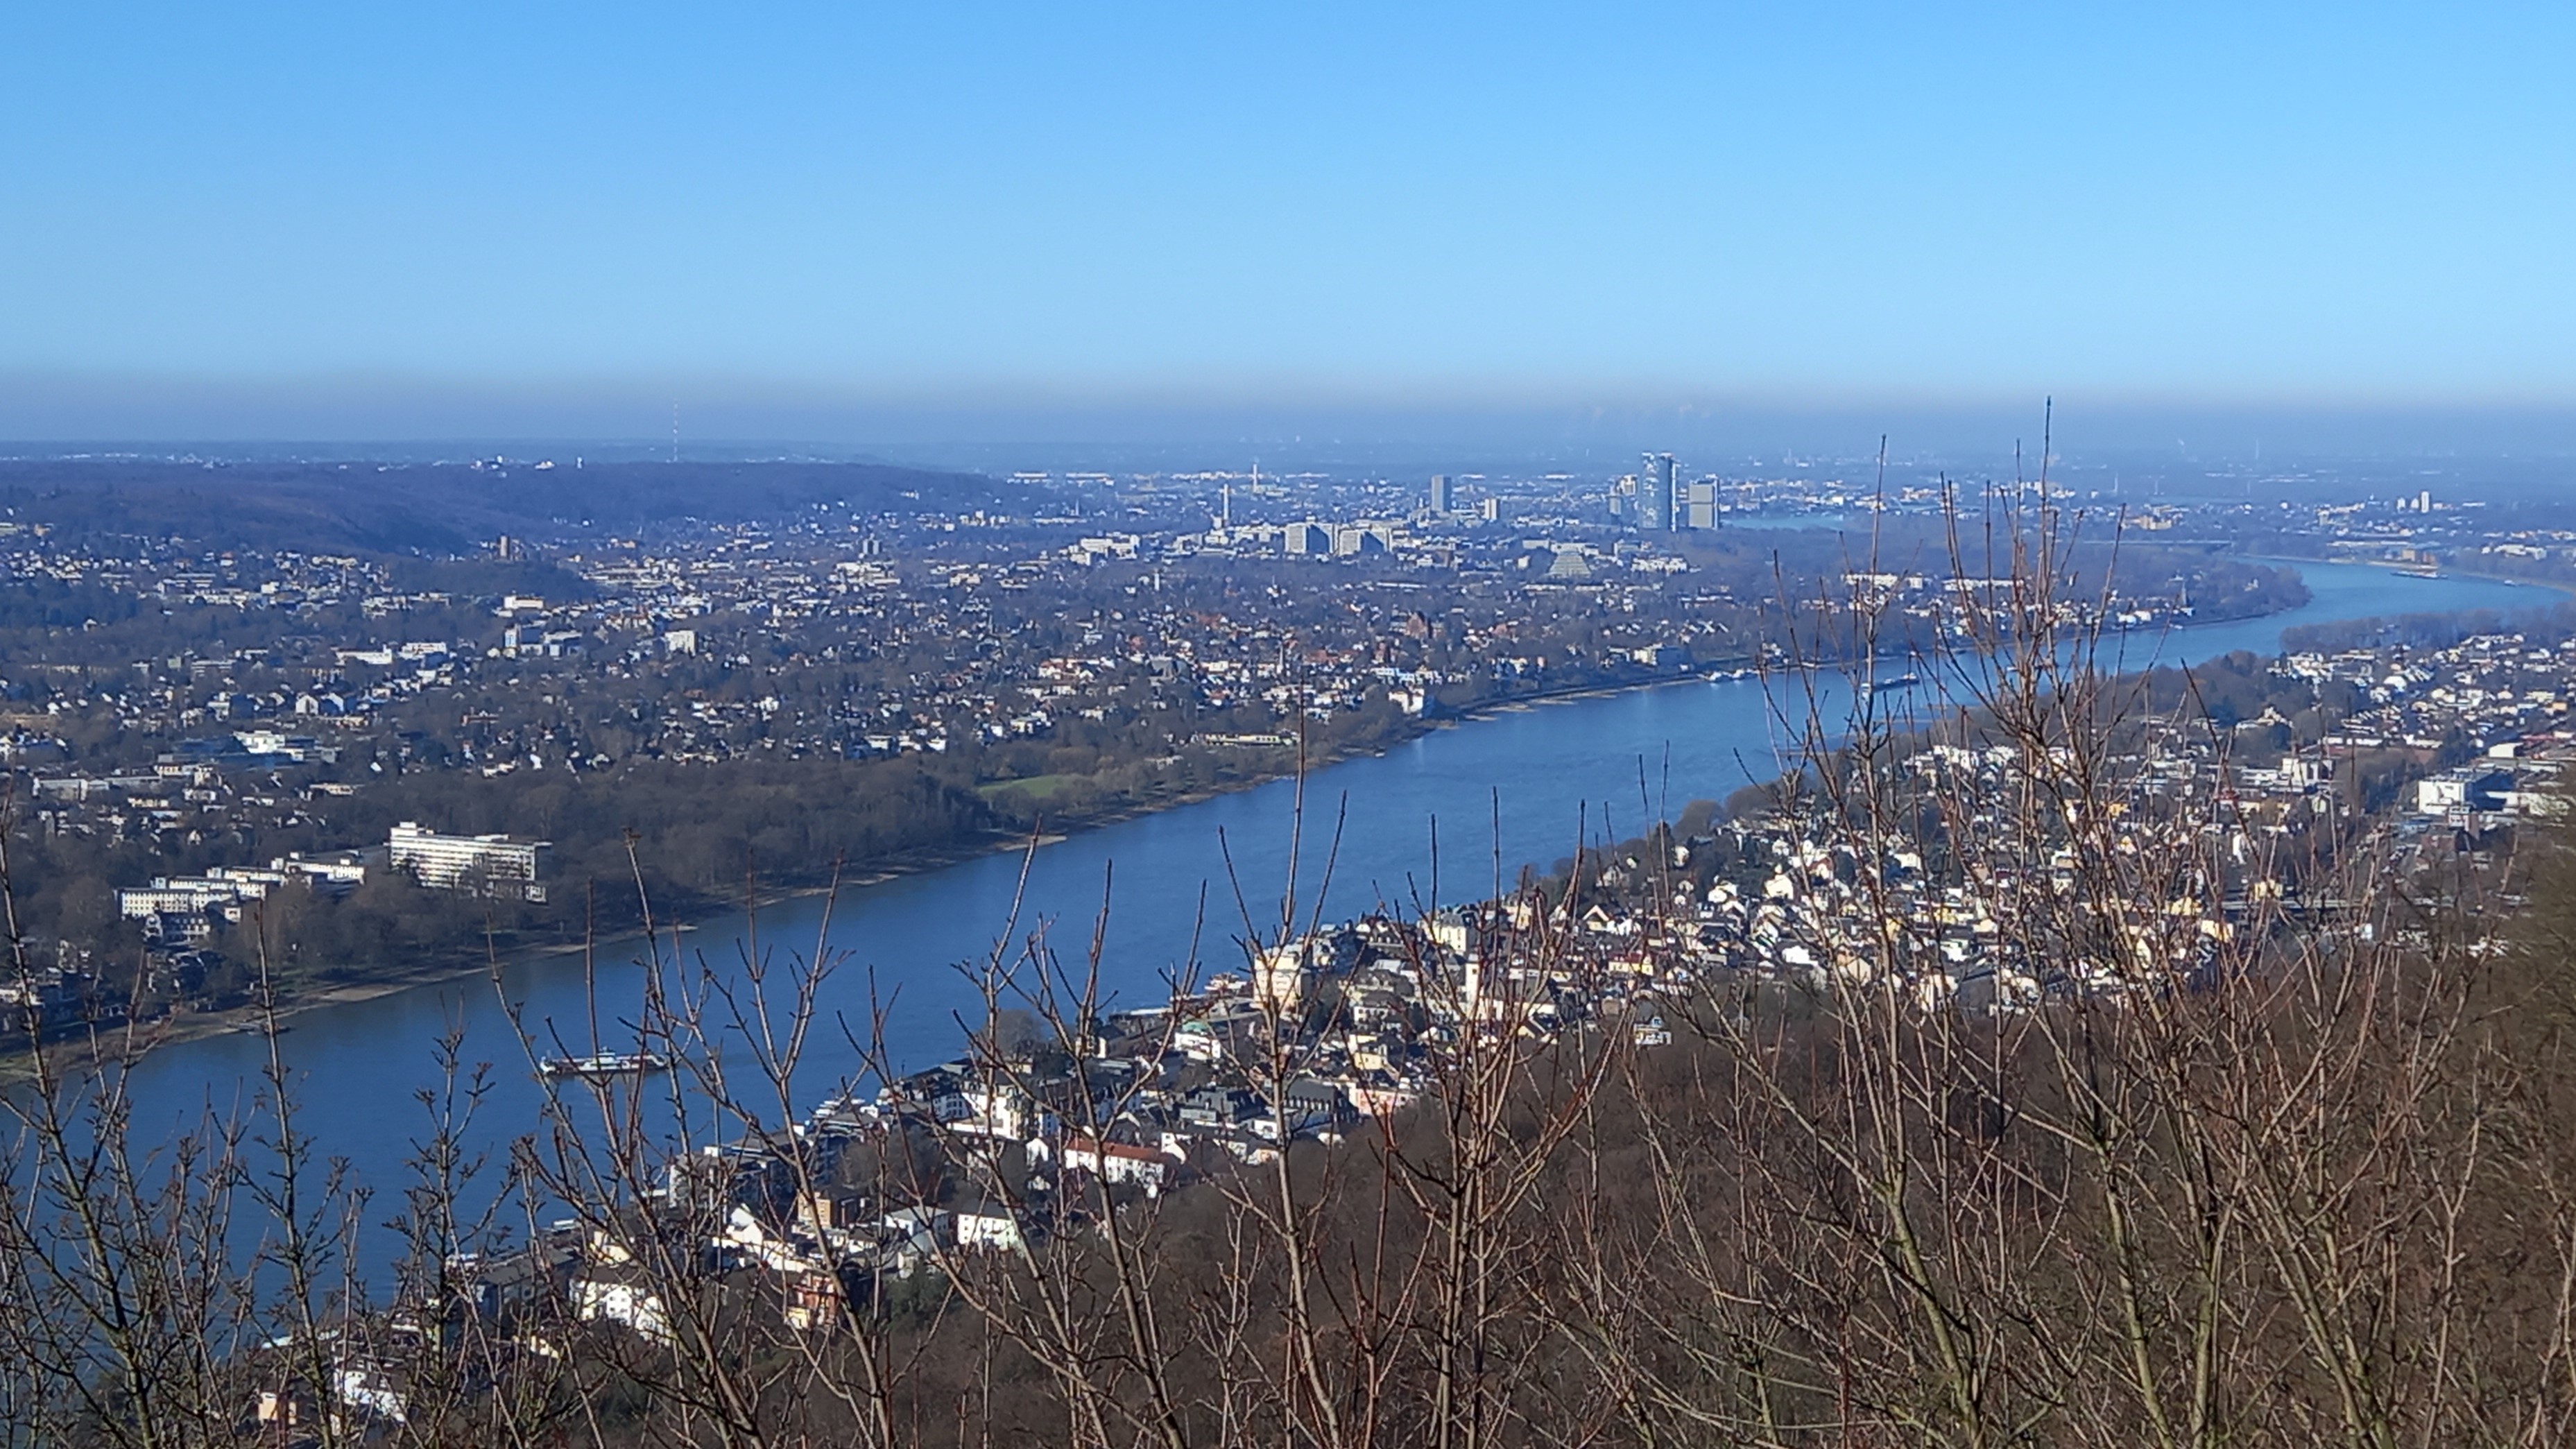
[[1516, 787]]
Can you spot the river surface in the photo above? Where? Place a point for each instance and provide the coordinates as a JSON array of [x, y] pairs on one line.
[[1516, 787]]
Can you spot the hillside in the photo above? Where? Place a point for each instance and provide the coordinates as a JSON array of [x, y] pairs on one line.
[[448, 507]]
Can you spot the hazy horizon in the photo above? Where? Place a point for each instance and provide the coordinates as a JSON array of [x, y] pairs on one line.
[[2200, 228], [2512, 450]]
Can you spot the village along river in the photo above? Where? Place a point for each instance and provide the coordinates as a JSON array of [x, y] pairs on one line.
[[1517, 785]]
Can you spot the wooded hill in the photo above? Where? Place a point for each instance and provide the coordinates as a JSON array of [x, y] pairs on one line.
[[453, 507]]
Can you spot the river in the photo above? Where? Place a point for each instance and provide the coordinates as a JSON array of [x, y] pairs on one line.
[[1515, 787]]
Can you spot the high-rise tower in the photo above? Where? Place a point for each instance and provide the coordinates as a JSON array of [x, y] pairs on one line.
[[1655, 494], [1439, 492]]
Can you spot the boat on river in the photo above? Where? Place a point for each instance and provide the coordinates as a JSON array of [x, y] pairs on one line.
[[1893, 683], [601, 1065]]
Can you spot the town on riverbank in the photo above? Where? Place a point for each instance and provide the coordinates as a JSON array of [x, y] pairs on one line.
[[462, 810], [230, 693], [2253, 792]]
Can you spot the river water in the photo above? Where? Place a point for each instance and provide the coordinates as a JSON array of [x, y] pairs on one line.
[[1516, 787]]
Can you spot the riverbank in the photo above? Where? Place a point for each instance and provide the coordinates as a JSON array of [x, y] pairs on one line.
[[1256, 768], [1439, 819], [125, 1042], [2440, 570]]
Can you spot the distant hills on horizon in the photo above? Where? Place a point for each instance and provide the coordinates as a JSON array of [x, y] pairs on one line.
[[452, 507]]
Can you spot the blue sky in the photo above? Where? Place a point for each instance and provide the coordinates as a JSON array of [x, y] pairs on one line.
[[529, 218]]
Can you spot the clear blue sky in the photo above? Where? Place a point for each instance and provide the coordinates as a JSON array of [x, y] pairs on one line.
[[567, 215]]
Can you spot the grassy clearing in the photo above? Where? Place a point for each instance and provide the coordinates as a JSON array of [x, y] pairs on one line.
[[1038, 789]]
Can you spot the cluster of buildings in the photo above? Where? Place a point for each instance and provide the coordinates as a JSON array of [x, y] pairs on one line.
[[1358, 1021], [835, 634], [187, 910], [940, 637], [2482, 722], [1442, 530], [1025, 1138], [189, 907], [1042, 1132], [727, 641], [1658, 499], [219, 705]]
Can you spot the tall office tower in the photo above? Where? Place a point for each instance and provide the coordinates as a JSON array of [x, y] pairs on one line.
[[1439, 492], [1698, 504], [1655, 494]]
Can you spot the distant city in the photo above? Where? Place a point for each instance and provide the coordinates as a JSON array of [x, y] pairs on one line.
[[198, 723], [251, 771]]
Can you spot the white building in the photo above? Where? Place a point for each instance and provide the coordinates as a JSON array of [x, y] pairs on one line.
[[220, 888], [622, 1296], [988, 1226], [1002, 1111], [225, 888], [1282, 974], [488, 863], [1105, 546], [1119, 1162]]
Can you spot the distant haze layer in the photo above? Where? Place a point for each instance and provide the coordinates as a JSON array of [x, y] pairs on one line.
[[864, 224]]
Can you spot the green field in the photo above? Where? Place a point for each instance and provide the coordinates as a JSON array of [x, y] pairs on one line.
[[1035, 789]]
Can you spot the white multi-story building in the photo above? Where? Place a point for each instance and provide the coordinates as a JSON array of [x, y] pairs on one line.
[[492, 864], [224, 889], [221, 888]]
